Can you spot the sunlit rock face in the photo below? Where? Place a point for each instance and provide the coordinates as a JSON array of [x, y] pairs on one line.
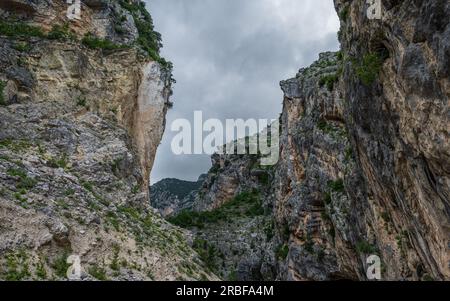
[[80, 122]]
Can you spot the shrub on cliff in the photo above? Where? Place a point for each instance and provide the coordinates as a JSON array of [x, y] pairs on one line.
[[329, 81], [149, 39], [19, 29], [61, 32], [369, 67], [94, 42], [2, 97]]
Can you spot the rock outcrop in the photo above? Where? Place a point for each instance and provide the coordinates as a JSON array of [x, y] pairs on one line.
[[82, 111], [364, 155], [171, 196]]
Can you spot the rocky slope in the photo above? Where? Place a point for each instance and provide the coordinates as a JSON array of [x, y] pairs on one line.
[[82, 110], [364, 156], [399, 128], [171, 196]]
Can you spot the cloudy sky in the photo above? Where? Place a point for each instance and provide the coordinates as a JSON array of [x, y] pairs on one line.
[[229, 57]]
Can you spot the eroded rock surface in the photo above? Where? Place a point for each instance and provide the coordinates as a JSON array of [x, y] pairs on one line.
[[82, 112]]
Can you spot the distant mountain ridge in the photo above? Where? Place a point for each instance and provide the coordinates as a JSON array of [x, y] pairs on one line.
[[170, 196]]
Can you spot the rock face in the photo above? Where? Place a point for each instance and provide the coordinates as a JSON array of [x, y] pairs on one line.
[[171, 196], [364, 154], [82, 110]]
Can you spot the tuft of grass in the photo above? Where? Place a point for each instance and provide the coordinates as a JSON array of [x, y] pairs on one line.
[[88, 186], [344, 13], [327, 199], [282, 252], [369, 67], [135, 189], [269, 230], [245, 204], [111, 217], [60, 265], [2, 89], [17, 146], [337, 186], [232, 276], [20, 29], [363, 247], [98, 272], [60, 162], [348, 153], [25, 182], [41, 272], [81, 101], [69, 192], [61, 32], [115, 165], [17, 266], [22, 46], [328, 81], [207, 252], [115, 262]]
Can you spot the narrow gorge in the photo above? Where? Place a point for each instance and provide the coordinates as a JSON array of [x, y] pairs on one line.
[[364, 165]]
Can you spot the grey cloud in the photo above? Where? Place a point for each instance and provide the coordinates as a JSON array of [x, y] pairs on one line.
[[229, 56]]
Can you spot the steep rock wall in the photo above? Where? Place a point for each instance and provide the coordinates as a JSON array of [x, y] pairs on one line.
[[364, 154], [81, 116], [399, 125]]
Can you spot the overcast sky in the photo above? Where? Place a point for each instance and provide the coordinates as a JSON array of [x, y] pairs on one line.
[[229, 57]]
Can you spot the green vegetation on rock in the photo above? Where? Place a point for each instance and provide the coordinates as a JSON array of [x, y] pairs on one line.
[[98, 272], [369, 67], [363, 247], [344, 13], [22, 46], [207, 253], [337, 186], [60, 265], [245, 204], [61, 32], [282, 252], [328, 81], [94, 42], [2, 97], [17, 266], [149, 39]]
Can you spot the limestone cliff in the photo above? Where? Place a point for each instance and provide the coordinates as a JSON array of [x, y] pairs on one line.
[[82, 111], [364, 156]]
